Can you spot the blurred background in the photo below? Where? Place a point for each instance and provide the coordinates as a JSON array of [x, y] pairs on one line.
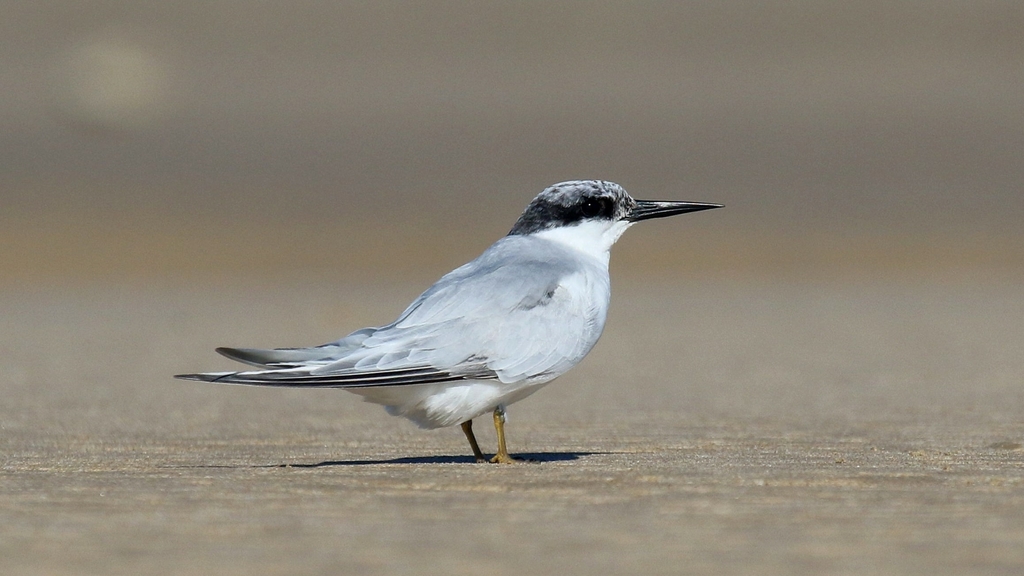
[[234, 137], [181, 175]]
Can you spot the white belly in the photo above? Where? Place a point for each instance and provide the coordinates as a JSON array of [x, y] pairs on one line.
[[449, 403]]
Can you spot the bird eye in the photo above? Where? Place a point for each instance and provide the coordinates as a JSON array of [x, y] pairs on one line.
[[594, 207]]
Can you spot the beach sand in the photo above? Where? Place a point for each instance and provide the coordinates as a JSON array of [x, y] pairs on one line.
[[769, 426]]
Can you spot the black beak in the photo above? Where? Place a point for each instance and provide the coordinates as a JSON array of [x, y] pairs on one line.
[[647, 209]]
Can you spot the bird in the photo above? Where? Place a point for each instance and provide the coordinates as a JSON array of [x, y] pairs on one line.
[[487, 334]]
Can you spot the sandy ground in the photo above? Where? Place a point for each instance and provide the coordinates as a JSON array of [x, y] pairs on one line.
[[825, 378], [721, 426]]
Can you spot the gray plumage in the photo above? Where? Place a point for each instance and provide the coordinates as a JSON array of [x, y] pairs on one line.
[[490, 332]]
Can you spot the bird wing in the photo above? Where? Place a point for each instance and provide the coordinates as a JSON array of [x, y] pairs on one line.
[[524, 310], [301, 378]]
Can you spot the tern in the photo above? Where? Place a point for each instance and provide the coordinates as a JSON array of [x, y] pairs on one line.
[[488, 333]]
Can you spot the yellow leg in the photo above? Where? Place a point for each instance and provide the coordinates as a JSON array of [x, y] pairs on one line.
[[467, 428], [502, 456]]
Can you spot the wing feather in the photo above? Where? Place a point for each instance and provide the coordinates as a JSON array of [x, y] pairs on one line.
[[303, 379], [526, 309]]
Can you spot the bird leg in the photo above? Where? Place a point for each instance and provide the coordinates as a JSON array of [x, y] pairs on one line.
[[502, 456], [467, 428]]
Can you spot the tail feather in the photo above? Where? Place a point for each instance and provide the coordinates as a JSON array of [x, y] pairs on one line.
[[205, 376], [295, 357], [321, 366], [279, 357]]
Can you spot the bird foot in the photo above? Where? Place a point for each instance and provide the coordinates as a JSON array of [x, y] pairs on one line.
[[504, 459]]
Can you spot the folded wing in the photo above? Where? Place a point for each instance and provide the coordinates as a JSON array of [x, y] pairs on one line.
[[501, 317]]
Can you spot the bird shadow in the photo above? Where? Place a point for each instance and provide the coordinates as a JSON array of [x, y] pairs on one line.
[[527, 457]]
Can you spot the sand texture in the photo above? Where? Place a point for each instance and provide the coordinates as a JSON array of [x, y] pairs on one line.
[[719, 427]]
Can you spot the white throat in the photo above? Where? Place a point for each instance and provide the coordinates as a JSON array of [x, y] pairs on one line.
[[593, 237]]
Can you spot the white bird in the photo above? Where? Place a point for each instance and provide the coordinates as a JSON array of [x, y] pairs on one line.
[[488, 333]]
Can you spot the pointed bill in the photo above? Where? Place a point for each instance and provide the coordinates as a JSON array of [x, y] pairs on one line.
[[647, 209]]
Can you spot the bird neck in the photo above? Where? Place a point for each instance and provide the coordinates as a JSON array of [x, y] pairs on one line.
[[593, 238]]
